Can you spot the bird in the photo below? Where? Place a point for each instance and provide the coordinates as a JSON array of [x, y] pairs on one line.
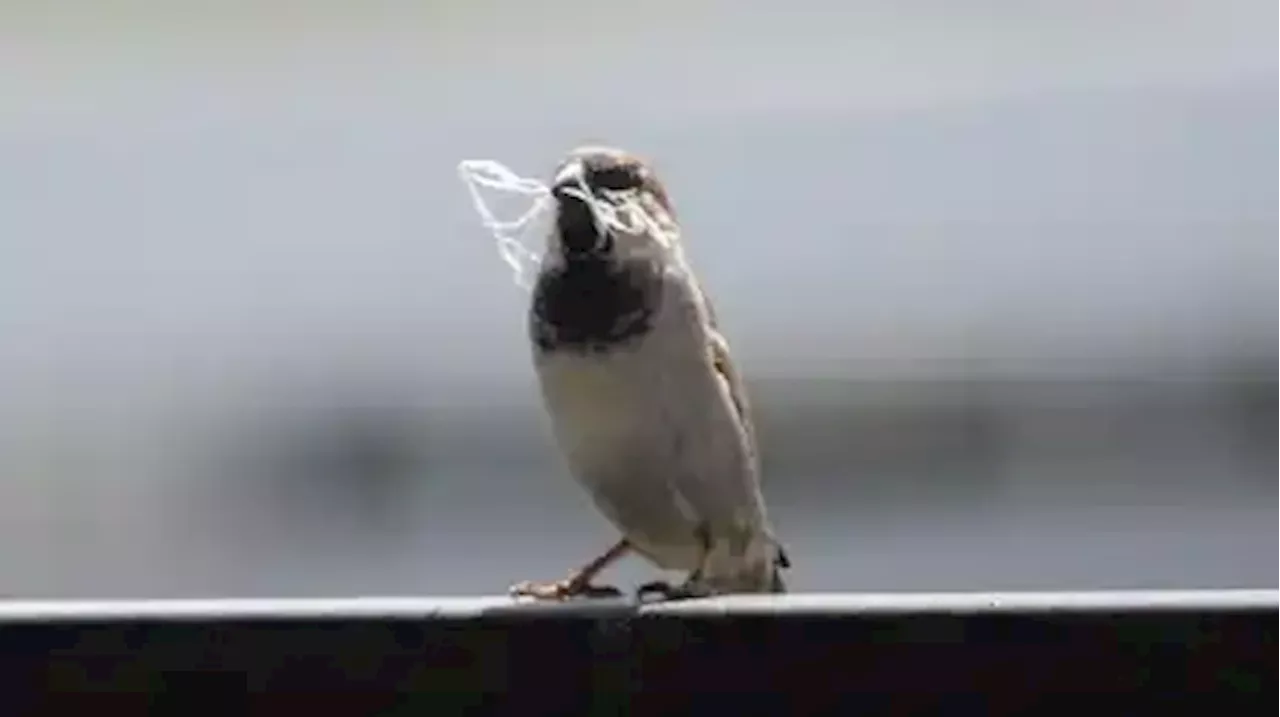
[[644, 399]]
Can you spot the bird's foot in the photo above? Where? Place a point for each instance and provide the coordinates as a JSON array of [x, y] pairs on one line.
[[560, 590], [689, 590]]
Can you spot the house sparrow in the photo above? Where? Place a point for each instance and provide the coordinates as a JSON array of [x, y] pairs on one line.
[[644, 400]]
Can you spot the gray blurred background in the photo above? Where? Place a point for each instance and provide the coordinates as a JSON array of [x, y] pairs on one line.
[[1000, 272]]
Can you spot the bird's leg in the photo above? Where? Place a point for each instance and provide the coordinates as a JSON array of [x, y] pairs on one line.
[[578, 584], [692, 587]]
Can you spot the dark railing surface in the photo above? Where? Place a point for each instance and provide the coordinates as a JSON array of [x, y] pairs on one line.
[[883, 652]]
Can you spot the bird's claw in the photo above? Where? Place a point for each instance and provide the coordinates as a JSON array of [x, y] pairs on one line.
[[668, 592], [566, 589]]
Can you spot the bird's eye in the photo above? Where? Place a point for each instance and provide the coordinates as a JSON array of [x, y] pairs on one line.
[[616, 179]]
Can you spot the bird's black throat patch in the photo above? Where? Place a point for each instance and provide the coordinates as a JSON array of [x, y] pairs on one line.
[[593, 304]]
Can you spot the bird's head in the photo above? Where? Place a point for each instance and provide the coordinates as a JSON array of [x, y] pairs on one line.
[[610, 204]]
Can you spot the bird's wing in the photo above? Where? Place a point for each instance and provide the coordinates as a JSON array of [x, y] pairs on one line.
[[722, 361]]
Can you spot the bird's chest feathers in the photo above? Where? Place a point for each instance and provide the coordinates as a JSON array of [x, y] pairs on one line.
[[634, 401], [622, 392], [594, 305], [600, 398]]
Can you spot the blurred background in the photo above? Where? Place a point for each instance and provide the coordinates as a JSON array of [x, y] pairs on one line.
[[1000, 273]]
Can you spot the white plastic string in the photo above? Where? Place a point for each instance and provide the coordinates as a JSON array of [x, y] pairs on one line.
[[477, 173], [620, 211]]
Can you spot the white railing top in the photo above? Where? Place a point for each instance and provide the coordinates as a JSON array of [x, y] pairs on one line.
[[796, 604]]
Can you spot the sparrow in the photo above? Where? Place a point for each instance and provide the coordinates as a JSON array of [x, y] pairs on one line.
[[643, 397]]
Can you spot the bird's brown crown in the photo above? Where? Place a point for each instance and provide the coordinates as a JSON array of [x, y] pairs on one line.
[[601, 167]]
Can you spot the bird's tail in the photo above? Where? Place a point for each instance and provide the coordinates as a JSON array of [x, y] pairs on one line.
[[760, 572], [780, 563]]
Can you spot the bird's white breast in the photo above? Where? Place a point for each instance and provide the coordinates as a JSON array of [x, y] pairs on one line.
[[647, 426], [630, 399], [598, 402]]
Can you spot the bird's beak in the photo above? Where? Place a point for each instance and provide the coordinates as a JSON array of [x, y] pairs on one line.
[[571, 175], [579, 226]]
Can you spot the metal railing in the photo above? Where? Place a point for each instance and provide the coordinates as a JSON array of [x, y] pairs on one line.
[[924, 650]]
